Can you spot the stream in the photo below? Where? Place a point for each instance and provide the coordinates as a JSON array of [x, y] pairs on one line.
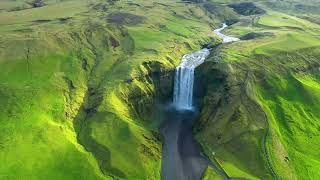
[[182, 158]]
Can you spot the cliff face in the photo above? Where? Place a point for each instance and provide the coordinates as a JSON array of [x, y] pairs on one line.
[[231, 123], [243, 125]]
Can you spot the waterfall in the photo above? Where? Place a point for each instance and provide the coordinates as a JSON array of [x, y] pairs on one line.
[[183, 84], [184, 77], [183, 88]]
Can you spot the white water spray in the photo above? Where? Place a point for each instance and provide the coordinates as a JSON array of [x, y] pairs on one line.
[[225, 38], [183, 84]]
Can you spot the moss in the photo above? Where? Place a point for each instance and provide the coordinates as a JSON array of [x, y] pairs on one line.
[[210, 174]]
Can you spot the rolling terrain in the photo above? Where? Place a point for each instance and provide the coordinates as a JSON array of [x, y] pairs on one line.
[[84, 85]]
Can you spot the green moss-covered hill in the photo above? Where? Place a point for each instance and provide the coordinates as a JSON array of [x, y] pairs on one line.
[[80, 81], [260, 113]]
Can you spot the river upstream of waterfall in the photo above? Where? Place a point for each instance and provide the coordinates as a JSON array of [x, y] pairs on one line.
[[181, 154]]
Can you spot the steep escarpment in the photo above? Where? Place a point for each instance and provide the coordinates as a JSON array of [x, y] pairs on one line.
[[231, 123], [243, 110], [247, 8]]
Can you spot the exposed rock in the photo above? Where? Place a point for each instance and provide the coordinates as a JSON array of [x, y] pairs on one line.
[[100, 7], [114, 42], [255, 35], [222, 12], [37, 3], [125, 18], [247, 9]]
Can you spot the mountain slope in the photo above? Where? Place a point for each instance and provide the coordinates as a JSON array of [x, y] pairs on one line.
[[259, 111], [79, 81]]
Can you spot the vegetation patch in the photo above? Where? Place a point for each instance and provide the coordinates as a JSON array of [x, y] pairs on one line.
[[102, 7], [42, 21], [64, 19], [114, 42], [222, 12], [124, 18], [18, 9], [295, 7], [311, 18], [37, 3], [247, 9], [255, 35]]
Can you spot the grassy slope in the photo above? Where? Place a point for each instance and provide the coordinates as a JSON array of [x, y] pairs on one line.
[[37, 141], [284, 82], [66, 109], [293, 112], [62, 79], [210, 174]]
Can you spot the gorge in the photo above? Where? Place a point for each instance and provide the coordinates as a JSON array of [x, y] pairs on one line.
[[182, 158], [149, 90]]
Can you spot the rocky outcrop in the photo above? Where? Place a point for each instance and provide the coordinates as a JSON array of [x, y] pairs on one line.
[[247, 9]]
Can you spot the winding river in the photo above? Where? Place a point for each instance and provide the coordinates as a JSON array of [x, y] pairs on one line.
[[181, 156]]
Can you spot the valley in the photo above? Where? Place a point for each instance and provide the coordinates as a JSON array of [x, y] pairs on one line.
[[86, 89]]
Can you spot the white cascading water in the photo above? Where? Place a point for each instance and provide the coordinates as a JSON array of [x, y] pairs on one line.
[[183, 84], [225, 38]]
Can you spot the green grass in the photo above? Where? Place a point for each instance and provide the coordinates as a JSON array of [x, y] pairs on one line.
[[283, 80], [37, 141], [294, 114], [289, 34], [275, 19], [210, 174], [75, 107], [288, 42]]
